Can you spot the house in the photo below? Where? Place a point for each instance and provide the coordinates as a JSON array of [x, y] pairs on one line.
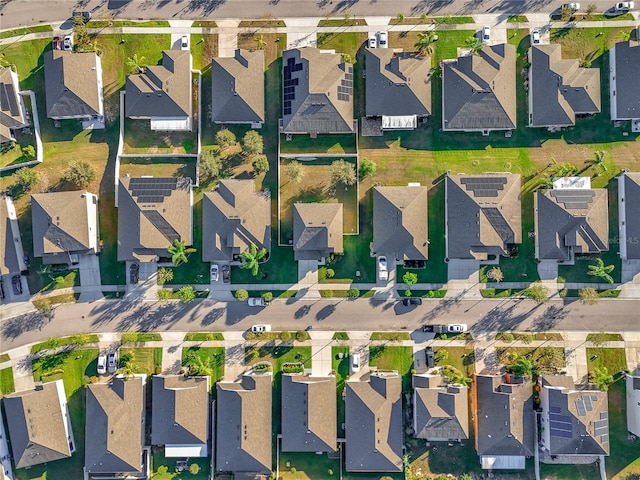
[[560, 89], [574, 422], [243, 425], [398, 87], [317, 92], [65, 225], [483, 215], [152, 214], [440, 409], [115, 425], [400, 229], [479, 91], [504, 421], [12, 111], [73, 86], [633, 404], [317, 230], [39, 425], [238, 88], [163, 93], [180, 415], [629, 220], [308, 407], [571, 219], [235, 216], [11, 252], [373, 425], [624, 71]]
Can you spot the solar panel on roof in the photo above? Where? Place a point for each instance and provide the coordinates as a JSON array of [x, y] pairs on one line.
[[287, 111], [594, 398], [556, 417], [560, 433], [587, 403], [555, 409], [604, 415], [604, 438]]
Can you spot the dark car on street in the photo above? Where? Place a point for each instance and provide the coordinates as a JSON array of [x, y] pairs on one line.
[[428, 353], [411, 301], [85, 16], [17, 284], [133, 273]]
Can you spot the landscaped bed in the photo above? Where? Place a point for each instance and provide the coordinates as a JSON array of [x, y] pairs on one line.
[[204, 361], [543, 359]]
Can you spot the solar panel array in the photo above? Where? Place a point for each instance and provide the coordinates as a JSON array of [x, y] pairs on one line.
[[574, 199], [345, 89], [152, 190], [484, 186], [498, 222], [162, 225], [290, 83], [560, 425]]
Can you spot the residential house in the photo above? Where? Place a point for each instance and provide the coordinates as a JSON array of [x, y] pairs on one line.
[[65, 225], [243, 425], [152, 214], [238, 88], [39, 425], [400, 229], [574, 423], [317, 92], [633, 404], [398, 87], [11, 252], [628, 218], [308, 407], [624, 71], [163, 93], [373, 424], [440, 409], [73, 86], [317, 230], [12, 111], [483, 215], [479, 91], [235, 216], [504, 421], [115, 425], [180, 415], [571, 219], [560, 89]]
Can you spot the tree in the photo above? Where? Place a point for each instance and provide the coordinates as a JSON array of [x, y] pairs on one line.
[[164, 275], [601, 270], [566, 170], [26, 178], [343, 172], [591, 9], [496, 274], [545, 181], [251, 259], [225, 138], [588, 296], [353, 292], [367, 167], [602, 378], [474, 44], [80, 173], [179, 252], [136, 64], [598, 162], [252, 143], [522, 367], [566, 13], [260, 42], [210, 166], [295, 171], [424, 43], [285, 336], [409, 278], [400, 17], [260, 165], [186, 294], [537, 292], [241, 295], [267, 296], [28, 151]]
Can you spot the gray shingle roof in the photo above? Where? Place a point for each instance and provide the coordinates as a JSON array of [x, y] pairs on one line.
[[115, 414], [631, 207], [62, 222], [148, 223], [571, 221], [400, 222], [625, 61], [317, 230], [11, 114], [504, 417], [440, 410], [163, 90], [317, 92], [308, 405], [397, 83], [483, 214], [243, 426], [374, 424], [238, 87], [479, 91], [559, 89], [233, 217], [10, 241], [36, 424], [574, 421], [72, 85], [180, 414]]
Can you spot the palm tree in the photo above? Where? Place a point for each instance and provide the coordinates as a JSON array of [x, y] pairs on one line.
[[625, 36], [523, 367], [179, 252], [474, 44], [251, 259], [601, 270], [423, 45], [137, 64], [545, 182], [602, 378], [260, 42], [496, 274], [598, 162]]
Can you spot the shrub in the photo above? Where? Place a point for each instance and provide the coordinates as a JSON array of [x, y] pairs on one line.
[[252, 143], [301, 335], [28, 151], [329, 273], [285, 336], [506, 337], [241, 295], [26, 178], [165, 294], [164, 275], [260, 164], [162, 469], [80, 173], [409, 278], [225, 138], [353, 292], [267, 296], [186, 294], [194, 468], [367, 167]]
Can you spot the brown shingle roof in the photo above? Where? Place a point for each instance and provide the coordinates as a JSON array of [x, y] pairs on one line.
[[11, 114], [440, 410], [317, 230]]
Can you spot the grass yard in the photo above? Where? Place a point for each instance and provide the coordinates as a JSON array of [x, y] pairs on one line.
[[135, 337], [624, 462], [203, 337], [205, 361], [330, 144], [613, 359], [392, 336], [545, 359], [308, 466], [6, 381], [158, 460], [18, 32], [266, 23], [204, 47], [343, 42], [569, 472], [142, 360], [158, 166], [460, 358], [74, 340], [399, 359], [140, 139], [274, 44], [11, 154]]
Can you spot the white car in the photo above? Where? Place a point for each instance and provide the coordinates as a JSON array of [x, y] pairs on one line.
[[102, 364], [184, 42], [214, 272], [572, 6], [382, 39], [372, 42], [67, 43], [486, 34], [261, 328], [256, 302], [535, 37], [383, 272], [355, 362], [457, 328], [624, 6]]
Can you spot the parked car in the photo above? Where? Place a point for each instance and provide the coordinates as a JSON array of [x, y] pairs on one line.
[[355, 362], [535, 37], [256, 302], [383, 272], [16, 281], [430, 357], [112, 362], [372, 42], [214, 272], [574, 6], [67, 43], [411, 301], [486, 34], [261, 328], [86, 16], [134, 271], [382, 39], [184, 42], [102, 364], [226, 274], [457, 328], [623, 6], [57, 43]]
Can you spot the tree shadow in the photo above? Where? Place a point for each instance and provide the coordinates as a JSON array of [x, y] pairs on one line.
[[326, 311]]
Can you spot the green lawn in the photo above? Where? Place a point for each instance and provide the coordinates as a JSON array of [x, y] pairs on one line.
[[203, 337], [569, 472], [204, 47], [342, 369], [205, 359], [393, 336], [6, 381], [134, 337], [158, 460], [342, 42], [140, 139], [330, 144], [76, 340], [461, 358], [143, 360], [624, 462], [394, 358], [308, 466], [613, 359], [18, 32], [545, 359]]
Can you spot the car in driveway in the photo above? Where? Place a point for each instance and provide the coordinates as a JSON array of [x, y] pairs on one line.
[[430, 357], [486, 34], [16, 282], [261, 328], [372, 42], [535, 37], [213, 272], [67, 43], [383, 39], [457, 328], [355, 363], [134, 273], [257, 302], [226, 274], [383, 271], [623, 6], [112, 362], [411, 301], [184, 42], [102, 364]]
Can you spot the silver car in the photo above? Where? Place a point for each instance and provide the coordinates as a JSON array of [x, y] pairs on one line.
[[112, 362]]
